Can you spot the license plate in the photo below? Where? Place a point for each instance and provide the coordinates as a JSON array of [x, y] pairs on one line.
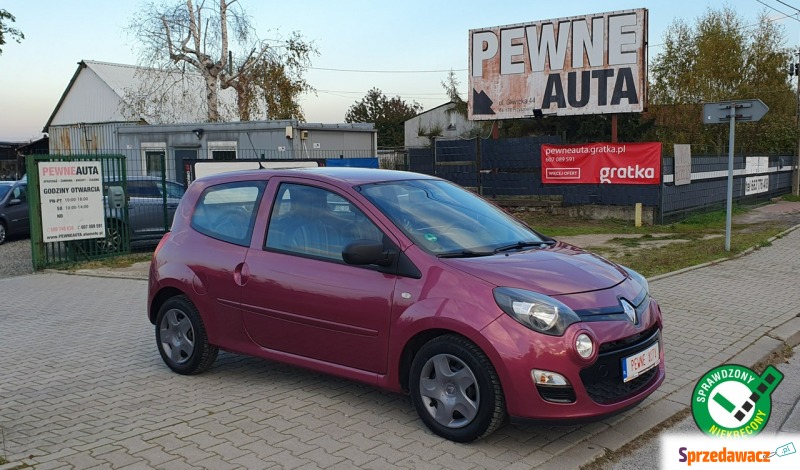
[[636, 365]]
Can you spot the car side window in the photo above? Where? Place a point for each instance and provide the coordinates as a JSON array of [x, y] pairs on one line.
[[143, 188], [315, 222], [21, 193], [227, 211], [175, 190]]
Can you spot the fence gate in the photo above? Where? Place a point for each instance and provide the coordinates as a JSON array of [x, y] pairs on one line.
[[73, 195]]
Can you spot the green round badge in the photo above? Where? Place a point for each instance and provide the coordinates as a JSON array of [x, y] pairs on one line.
[[734, 401]]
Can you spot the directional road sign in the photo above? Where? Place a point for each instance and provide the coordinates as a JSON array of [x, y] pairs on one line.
[[744, 110]]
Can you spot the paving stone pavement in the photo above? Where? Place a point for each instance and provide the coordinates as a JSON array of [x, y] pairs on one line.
[[82, 385]]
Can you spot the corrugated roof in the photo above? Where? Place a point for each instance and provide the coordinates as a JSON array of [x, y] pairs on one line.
[[155, 96]]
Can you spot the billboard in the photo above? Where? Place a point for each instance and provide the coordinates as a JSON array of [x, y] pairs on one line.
[[638, 163], [591, 64]]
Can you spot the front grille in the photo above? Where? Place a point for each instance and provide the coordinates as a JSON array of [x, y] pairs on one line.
[[564, 394], [603, 380], [608, 391]]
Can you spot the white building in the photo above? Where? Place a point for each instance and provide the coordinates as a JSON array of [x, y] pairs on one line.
[[151, 115], [439, 122]]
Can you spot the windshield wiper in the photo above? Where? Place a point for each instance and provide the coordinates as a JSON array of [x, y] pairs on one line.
[[524, 244], [464, 254]]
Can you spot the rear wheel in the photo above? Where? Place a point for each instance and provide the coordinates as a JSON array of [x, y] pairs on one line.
[[455, 389], [112, 243], [182, 339], [3, 232]]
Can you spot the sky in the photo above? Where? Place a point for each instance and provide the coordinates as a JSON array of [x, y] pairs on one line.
[[403, 48]]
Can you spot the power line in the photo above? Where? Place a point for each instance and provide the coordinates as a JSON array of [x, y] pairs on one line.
[[386, 71], [786, 15], [784, 3], [387, 93], [792, 16]]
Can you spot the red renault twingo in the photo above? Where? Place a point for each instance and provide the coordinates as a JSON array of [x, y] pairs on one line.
[[407, 282]]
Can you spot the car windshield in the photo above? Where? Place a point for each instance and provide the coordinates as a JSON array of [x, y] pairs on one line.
[[447, 220]]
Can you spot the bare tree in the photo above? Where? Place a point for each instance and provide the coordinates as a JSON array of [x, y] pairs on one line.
[[215, 40]]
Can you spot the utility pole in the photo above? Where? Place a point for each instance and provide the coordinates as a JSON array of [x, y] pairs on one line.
[[796, 166]]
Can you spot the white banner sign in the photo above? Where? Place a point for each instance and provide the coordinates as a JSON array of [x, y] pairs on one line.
[[683, 164], [71, 195], [756, 184]]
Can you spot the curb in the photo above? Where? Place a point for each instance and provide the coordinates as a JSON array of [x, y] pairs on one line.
[[721, 260], [757, 354]]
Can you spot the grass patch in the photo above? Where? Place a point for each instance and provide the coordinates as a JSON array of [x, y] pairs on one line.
[[113, 262], [790, 198], [563, 226], [660, 260]]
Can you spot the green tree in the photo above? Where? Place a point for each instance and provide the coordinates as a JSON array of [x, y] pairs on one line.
[[387, 114], [8, 31], [216, 40], [722, 58]]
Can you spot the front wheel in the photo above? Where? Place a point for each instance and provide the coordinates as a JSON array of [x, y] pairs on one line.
[[3, 232], [455, 389], [182, 339]]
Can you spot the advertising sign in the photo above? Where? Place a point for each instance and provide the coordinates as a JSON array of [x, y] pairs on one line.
[[71, 195], [638, 163], [591, 64]]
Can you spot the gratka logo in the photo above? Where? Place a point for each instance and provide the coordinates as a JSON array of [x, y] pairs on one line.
[[631, 172]]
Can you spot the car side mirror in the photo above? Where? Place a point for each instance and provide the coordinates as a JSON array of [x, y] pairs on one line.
[[364, 252], [14, 202]]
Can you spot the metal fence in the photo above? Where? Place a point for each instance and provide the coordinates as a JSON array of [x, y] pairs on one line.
[[512, 168]]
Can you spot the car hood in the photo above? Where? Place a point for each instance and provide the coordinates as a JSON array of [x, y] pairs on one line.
[[557, 270]]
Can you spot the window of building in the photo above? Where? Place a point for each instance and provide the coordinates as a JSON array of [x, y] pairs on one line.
[[154, 155], [222, 150]]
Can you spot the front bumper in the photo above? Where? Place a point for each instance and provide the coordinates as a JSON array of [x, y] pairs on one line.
[[597, 388]]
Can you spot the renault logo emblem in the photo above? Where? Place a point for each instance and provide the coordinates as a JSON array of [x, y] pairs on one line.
[[629, 310]]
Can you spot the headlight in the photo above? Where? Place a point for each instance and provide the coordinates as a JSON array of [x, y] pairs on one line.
[[536, 311], [637, 277]]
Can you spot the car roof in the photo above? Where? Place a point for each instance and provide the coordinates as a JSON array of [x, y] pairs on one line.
[[348, 175], [115, 178]]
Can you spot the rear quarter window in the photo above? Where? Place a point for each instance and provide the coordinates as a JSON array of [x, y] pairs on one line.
[[227, 212]]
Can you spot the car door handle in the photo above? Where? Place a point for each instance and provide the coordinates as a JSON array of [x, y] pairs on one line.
[[241, 274]]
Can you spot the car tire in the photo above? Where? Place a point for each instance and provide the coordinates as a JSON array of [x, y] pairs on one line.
[[112, 243], [181, 337], [3, 232], [455, 389]]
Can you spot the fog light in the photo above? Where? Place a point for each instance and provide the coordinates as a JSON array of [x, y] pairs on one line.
[[545, 377], [584, 345]]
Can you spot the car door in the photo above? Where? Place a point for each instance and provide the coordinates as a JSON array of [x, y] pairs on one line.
[[17, 211], [302, 298], [225, 215], [145, 209], [175, 192]]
